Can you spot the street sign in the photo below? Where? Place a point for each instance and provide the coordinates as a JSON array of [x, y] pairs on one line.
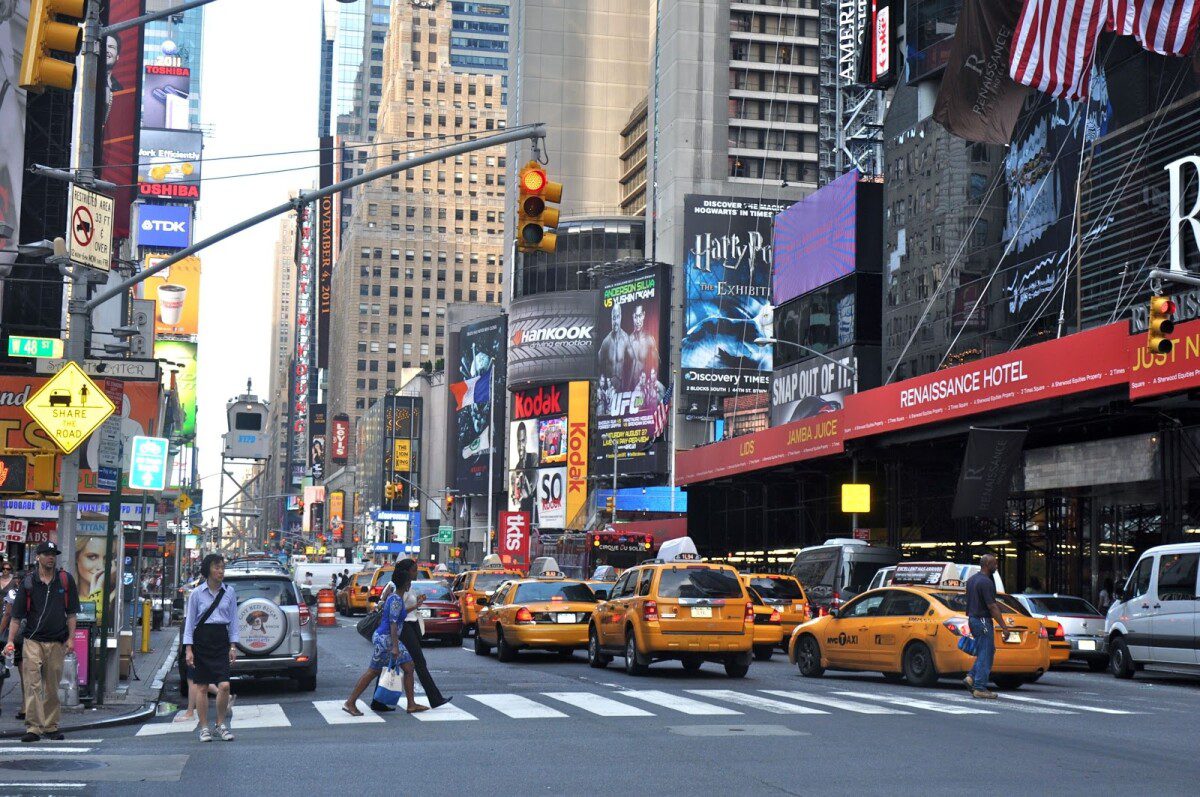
[[183, 503], [91, 228], [128, 370], [110, 438], [161, 538], [148, 463], [69, 407], [27, 346], [445, 535]]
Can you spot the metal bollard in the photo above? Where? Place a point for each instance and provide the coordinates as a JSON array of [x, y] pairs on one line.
[[145, 626], [68, 684]]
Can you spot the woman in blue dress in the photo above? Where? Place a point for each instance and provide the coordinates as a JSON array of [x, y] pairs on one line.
[[386, 648]]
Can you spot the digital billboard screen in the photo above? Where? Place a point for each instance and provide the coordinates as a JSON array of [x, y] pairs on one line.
[[169, 164], [815, 239], [477, 379]]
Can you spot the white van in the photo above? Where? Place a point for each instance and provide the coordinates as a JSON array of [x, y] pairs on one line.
[[322, 574], [946, 574], [835, 572], [1155, 617]]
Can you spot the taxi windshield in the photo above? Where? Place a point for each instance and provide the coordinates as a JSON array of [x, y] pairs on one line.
[[1062, 606], [363, 578], [957, 601], [433, 590], [536, 592], [777, 588], [698, 582], [485, 582]]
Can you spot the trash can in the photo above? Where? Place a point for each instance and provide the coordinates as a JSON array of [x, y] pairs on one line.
[[156, 616]]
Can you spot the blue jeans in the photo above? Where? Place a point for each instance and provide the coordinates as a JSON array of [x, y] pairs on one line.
[[985, 650]]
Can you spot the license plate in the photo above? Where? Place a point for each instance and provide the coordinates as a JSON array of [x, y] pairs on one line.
[[1013, 636], [424, 614], [1087, 644], [702, 611], [565, 618]]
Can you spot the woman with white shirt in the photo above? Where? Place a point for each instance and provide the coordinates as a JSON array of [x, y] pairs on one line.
[[411, 632]]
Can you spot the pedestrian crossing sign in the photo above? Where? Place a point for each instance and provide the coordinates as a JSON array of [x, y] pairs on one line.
[[69, 407]]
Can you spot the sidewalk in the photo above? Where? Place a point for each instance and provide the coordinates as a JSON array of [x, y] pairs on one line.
[[132, 697]]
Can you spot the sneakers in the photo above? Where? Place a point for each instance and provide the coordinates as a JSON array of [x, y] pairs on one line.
[[206, 735], [225, 734], [56, 736], [30, 736], [983, 694]]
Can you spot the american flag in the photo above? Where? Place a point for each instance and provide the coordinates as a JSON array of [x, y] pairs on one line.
[[1167, 27], [662, 414]]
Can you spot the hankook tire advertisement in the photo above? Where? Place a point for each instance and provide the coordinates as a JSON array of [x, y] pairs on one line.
[[552, 338]]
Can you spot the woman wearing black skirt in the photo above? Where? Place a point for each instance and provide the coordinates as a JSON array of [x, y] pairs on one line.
[[210, 636]]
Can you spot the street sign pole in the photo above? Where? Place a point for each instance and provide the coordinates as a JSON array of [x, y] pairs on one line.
[[107, 615]]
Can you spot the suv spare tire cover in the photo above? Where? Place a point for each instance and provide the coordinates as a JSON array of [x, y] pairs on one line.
[[262, 625]]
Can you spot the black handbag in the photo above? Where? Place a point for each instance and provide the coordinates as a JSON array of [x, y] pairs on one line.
[[370, 623]]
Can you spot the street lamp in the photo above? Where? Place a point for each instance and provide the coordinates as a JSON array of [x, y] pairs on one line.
[[853, 370]]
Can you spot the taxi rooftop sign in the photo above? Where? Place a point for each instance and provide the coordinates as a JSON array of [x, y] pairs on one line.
[[69, 407]]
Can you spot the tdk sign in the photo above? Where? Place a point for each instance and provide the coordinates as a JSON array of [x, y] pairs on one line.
[[165, 226]]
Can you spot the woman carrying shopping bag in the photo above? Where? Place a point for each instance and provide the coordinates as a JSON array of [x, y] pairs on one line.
[[387, 652]]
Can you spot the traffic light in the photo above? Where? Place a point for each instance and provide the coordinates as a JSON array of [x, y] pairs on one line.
[[449, 503], [610, 503], [46, 34], [389, 491], [536, 221], [27, 471], [1161, 324]]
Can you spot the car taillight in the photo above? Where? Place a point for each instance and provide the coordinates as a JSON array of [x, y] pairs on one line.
[[376, 592], [749, 613], [524, 615], [650, 610], [305, 614], [1059, 634], [453, 615], [958, 626], [775, 616], [1042, 632]]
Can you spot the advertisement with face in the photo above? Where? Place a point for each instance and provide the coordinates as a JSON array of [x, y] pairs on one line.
[[316, 441], [631, 364], [169, 164], [176, 293], [727, 263], [118, 118], [552, 440], [165, 97], [181, 353], [89, 572], [474, 392], [522, 465]]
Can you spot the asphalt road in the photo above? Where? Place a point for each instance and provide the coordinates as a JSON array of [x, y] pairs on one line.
[[542, 725]]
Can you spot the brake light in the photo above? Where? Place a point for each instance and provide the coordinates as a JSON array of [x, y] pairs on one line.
[[305, 614], [376, 592], [775, 616], [749, 613], [1058, 633], [1042, 632], [453, 615], [524, 615], [650, 611], [958, 626]]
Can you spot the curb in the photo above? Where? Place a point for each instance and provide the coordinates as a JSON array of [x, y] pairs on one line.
[[141, 714]]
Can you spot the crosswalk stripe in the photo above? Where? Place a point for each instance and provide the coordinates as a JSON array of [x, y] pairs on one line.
[[43, 749], [517, 707], [598, 704], [678, 703], [1004, 703], [262, 715], [177, 725], [1075, 707], [833, 702], [912, 702], [447, 712], [332, 711], [754, 701]]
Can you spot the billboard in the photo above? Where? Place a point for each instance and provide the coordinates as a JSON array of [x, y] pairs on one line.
[[182, 353], [176, 294], [632, 361], [13, 19], [339, 441], [474, 388], [401, 449], [316, 441], [727, 302], [551, 498], [164, 226], [118, 119], [514, 538], [551, 337], [578, 419], [302, 351], [815, 239], [811, 387], [548, 454], [169, 164], [325, 254], [337, 514], [166, 93], [523, 464]]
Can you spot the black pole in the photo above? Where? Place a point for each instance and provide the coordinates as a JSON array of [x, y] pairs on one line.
[[103, 612]]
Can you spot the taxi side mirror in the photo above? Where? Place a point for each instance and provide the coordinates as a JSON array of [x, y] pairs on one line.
[[835, 613], [481, 601]]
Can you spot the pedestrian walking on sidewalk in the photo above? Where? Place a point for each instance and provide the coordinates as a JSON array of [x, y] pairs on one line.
[[210, 638], [387, 650], [411, 633], [46, 604], [982, 611]]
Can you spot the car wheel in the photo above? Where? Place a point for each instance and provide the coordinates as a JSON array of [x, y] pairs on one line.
[[808, 657], [737, 667], [308, 681], [1120, 662], [504, 651], [481, 648], [1009, 681], [763, 653], [634, 664], [1097, 665], [691, 664], [918, 665], [596, 657]]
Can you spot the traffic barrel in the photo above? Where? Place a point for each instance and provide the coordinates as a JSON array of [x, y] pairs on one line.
[[325, 615]]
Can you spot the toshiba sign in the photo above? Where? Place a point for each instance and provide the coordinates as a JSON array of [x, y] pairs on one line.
[[552, 338], [514, 538]]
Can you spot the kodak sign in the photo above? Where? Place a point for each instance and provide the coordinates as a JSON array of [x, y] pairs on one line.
[[578, 401]]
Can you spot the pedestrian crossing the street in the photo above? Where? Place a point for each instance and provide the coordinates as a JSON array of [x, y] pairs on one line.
[[561, 706]]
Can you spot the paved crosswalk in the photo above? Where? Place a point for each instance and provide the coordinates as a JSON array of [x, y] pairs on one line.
[[644, 703]]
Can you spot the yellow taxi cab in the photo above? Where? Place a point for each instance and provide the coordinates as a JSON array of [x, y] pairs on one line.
[[675, 607], [549, 612], [782, 592], [912, 632], [470, 586], [768, 628], [355, 597]]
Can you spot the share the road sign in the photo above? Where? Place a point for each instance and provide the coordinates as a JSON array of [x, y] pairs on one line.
[[148, 463], [69, 407]]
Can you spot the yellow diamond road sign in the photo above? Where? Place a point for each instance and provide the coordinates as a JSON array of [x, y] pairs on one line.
[[183, 502], [70, 406]]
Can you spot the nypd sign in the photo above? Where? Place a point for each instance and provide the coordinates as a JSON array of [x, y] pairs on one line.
[[165, 226]]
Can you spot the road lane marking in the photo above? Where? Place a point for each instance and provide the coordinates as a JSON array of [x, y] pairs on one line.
[[754, 701], [517, 707], [331, 710], [1072, 706], [833, 702], [678, 703], [261, 715], [25, 748], [177, 725], [445, 713], [598, 704], [912, 702], [1003, 702]]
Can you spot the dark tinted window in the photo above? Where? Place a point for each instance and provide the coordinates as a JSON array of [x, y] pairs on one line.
[[777, 588], [433, 590], [550, 590], [644, 583], [957, 601], [623, 586], [817, 571], [698, 582], [247, 421], [280, 591], [1177, 576], [1062, 606], [861, 574], [1139, 581], [602, 589], [905, 604], [485, 582]]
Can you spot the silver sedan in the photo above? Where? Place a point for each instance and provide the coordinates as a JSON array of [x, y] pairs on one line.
[[1082, 623]]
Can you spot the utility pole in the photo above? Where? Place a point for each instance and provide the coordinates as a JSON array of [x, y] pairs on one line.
[[614, 511]]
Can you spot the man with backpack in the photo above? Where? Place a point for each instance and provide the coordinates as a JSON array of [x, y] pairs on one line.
[[46, 603]]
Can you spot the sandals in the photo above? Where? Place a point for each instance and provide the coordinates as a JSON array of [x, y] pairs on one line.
[[417, 709], [353, 712]]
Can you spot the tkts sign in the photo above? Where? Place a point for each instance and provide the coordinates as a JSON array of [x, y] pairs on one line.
[[514, 538]]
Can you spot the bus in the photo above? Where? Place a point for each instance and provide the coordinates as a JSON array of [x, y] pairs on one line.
[[579, 553]]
